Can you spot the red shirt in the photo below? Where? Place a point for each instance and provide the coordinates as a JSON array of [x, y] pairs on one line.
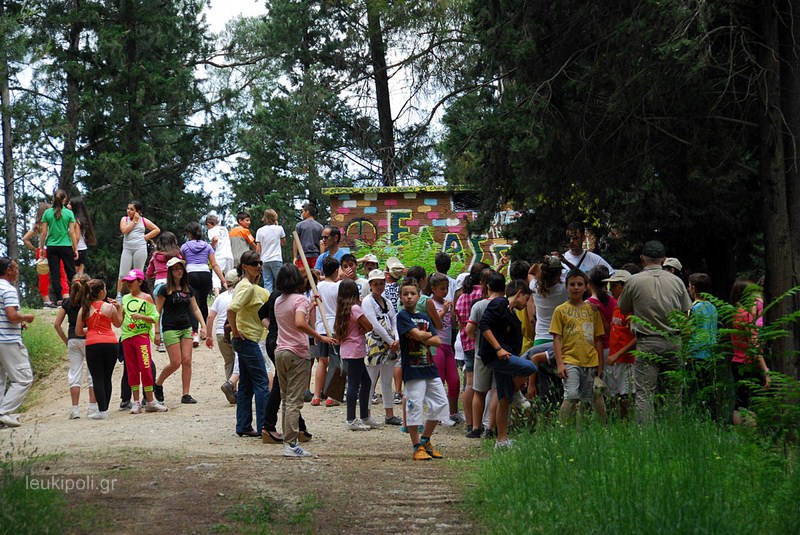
[[621, 335]]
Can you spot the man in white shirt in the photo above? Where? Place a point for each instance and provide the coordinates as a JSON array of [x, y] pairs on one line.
[[218, 236], [576, 257]]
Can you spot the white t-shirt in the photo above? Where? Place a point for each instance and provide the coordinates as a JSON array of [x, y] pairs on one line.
[[220, 306], [545, 306], [223, 248], [329, 293], [269, 236], [363, 284], [589, 261]]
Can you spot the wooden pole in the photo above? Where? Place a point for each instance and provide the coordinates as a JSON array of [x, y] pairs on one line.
[[312, 283]]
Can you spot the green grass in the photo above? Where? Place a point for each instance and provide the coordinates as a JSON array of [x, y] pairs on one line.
[[264, 515], [25, 510], [45, 348], [681, 476]]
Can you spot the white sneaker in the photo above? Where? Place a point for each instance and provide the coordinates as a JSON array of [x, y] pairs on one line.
[[458, 418], [9, 420], [519, 401], [99, 415], [295, 450], [356, 425], [136, 408], [74, 413], [155, 406], [161, 348], [447, 422], [372, 423], [506, 444], [92, 409]]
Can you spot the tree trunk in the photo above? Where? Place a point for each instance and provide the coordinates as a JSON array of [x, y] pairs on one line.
[[377, 51], [66, 178], [12, 243], [776, 172]]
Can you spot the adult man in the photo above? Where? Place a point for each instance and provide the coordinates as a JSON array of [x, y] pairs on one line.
[[331, 236], [14, 361], [575, 256], [651, 296], [221, 243], [310, 233]]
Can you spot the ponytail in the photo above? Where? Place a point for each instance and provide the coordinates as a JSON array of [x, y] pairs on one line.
[[78, 289], [59, 201]]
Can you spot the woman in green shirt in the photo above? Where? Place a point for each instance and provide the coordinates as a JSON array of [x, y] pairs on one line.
[[59, 236]]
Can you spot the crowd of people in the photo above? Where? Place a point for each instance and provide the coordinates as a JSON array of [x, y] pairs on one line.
[[440, 350]]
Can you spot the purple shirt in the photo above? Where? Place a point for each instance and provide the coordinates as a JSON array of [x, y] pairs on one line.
[[196, 252]]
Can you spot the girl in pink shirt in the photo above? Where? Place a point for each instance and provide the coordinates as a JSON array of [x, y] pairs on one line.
[[350, 326]]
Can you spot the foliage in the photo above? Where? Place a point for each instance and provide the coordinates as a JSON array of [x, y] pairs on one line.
[[680, 476], [45, 348], [412, 250]]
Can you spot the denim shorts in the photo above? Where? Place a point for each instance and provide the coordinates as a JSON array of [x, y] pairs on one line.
[[469, 360]]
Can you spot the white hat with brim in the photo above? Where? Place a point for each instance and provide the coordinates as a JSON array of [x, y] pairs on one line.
[[376, 275], [620, 275]]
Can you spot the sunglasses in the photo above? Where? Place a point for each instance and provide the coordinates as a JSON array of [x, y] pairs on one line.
[[325, 237], [255, 263]]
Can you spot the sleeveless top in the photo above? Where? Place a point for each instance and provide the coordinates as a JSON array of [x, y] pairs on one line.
[[135, 238], [100, 330]]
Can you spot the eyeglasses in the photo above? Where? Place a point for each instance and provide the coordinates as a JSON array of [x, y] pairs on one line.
[[325, 237], [254, 263]]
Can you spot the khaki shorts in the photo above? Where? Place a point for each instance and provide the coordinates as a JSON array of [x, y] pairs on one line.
[[173, 337]]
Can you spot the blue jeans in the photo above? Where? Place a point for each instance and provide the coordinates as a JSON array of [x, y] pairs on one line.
[[505, 370], [253, 381], [269, 271]]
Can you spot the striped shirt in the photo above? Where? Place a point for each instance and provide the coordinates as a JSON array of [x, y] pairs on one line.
[[9, 332]]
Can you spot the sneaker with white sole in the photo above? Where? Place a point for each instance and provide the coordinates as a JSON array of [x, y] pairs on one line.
[[447, 422], [161, 348], [519, 401], [155, 406], [136, 408], [74, 413], [295, 450], [9, 420], [92, 409], [99, 415], [506, 444], [373, 423], [398, 398], [356, 425], [458, 418]]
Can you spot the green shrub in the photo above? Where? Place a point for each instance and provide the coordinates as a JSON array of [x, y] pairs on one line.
[[412, 250], [678, 476]]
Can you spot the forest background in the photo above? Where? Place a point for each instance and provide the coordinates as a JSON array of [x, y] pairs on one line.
[[674, 119]]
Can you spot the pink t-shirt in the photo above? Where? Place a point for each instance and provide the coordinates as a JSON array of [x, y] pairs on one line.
[[290, 338], [607, 311], [354, 345]]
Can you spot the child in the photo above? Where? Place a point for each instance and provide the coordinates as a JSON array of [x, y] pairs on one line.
[[704, 318], [86, 236], [76, 345], [577, 330], [618, 372], [350, 271], [139, 315], [749, 317], [350, 326], [422, 383], [445, 357], [44, 279], [500, 346], [602, 301], [382, 342], [241, 238], [328, 290], [269, 240]]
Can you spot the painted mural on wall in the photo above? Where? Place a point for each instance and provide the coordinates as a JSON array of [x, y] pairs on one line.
[[367, 214]]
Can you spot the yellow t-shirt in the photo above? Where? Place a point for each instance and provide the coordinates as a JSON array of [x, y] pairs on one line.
[[578, 326], [247, 300], [527, 331]]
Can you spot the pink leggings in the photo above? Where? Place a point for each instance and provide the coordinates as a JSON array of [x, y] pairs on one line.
[[137, 362], [445, 360]]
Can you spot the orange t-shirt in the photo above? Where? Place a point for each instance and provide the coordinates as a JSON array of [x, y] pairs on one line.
[[620, 335], [241, 232]]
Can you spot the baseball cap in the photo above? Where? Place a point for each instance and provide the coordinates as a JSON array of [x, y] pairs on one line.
[[395, 267], [620, 275], [175, 260], [368, 258], [654, 249], [134, 274], [376, 275], [232, 277], [673, 263]]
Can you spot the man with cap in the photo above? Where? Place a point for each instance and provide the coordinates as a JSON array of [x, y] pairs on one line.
[[217, 315], [651, 296]]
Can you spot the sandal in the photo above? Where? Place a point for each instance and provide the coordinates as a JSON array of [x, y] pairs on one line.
[[271, 437], [315, 402]]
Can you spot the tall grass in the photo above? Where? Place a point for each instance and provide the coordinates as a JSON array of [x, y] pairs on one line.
[[678, 476], [45, 348]]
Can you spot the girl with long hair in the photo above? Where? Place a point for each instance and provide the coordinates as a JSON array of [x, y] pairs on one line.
[[445, 357], [59, 238], [96, 319], [176, 306], [86, 235], [44, 279], [136, 232], [349, 328], [76, 344], [199, 255]]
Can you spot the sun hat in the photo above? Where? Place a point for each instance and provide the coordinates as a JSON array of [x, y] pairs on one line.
[[376, 275], [620, 275], [232, 276], [673, 263], [395, 267], [175, 260], [134, 274], [368, 258]]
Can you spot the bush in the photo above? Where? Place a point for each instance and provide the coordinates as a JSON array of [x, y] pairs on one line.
[[412, 250], [679, 476]]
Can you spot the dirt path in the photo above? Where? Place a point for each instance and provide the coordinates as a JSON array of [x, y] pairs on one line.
[[186, 471]]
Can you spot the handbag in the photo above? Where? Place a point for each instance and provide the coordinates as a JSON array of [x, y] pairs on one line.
[[336, 378], [42, 267], [378, 351]]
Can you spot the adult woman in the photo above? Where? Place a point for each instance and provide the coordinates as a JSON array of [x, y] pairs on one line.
[[176, 305], [95, 320], [271, 237], [246, 331], [86, 235], [199, 255], [292, 356], [44, 279], [136, 232], [59, 234]]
